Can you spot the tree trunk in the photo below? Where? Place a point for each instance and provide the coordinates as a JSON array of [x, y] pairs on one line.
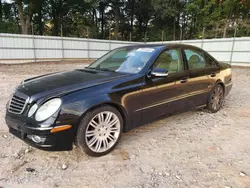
[[93, 15], [191, 27], [225, 31], [216, 30], [203, 32], [59, 21], [55, 17], [55, 31], [40, 23], [56, 28], [55, 22], [21, 17], [174, 30], [226, 24], [117, 17], [175, 6], [102, 9], [39, 12], [102, 22], [24, 21], [95, 19], [140, 28], [145, 32], [1, 10], [132, 16]]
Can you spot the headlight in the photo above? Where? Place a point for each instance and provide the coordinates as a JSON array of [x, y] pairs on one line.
[[48, 109], [32, 110]]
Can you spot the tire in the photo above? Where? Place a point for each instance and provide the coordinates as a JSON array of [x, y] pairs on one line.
[[99, 131], [216, 98]]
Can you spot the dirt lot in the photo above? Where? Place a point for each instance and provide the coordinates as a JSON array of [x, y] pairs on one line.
[[194, 149]]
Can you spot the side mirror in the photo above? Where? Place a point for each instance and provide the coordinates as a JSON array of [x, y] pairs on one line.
[[159, 72]]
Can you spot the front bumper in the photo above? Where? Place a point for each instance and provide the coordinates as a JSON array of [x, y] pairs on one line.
[[58, 141]]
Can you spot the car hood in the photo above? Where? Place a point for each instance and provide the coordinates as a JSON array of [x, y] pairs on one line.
[[65, 82]]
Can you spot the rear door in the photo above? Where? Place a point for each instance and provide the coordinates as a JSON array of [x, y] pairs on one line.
[[213, 69], [200, 72]]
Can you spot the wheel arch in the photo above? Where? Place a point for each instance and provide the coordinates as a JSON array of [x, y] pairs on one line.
[[221, 83], [117, 106], [209, 105]]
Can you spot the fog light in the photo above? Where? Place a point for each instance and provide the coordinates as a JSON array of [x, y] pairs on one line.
[[36, 139]]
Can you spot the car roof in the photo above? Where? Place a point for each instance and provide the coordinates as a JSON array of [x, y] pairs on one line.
[[160, 45]]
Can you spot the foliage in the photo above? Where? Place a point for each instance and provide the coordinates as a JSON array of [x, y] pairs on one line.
[[136, 20]]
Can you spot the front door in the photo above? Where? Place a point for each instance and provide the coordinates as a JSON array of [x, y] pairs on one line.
[[161, 95]]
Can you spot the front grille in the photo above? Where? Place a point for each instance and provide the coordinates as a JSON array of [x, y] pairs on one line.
[[18, 103]]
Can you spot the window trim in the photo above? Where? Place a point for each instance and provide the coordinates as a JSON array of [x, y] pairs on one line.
[[203, 55], [200, 52], [181, 58], [208, 56]]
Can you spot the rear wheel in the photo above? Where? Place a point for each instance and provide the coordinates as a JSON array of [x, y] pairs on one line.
[[216, 98], [99, 131]]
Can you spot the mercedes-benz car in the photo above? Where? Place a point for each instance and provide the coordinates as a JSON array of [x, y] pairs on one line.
[[127, 87]]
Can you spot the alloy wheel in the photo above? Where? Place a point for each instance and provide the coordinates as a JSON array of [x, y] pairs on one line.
[[103, 131], [217, 97]]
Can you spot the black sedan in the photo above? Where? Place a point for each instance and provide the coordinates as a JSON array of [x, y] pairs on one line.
[[127, 87]]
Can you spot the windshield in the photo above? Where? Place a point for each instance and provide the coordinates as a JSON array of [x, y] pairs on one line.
[[126, 60]]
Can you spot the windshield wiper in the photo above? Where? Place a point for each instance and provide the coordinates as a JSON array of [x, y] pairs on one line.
[[105, 69], [101, 69], [90, 68]]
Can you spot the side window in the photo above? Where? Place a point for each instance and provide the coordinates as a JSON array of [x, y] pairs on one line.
[[209, 61], [171, 60], [195, 59]]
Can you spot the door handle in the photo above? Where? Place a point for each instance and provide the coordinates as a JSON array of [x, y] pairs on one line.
[[183, 80], [213, 74]]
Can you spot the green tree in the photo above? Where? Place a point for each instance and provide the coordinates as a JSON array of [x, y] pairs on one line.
[[25, 14], [1, 10], [144, 11], [125, 19], [167, 14], [9, 22]]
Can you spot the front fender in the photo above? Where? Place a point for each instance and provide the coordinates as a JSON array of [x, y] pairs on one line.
[[75, 105]]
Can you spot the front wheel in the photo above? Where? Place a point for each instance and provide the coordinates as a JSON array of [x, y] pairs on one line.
[[99, 131], [216, 98]]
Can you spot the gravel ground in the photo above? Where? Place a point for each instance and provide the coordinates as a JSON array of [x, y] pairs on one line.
[[193, 149]]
